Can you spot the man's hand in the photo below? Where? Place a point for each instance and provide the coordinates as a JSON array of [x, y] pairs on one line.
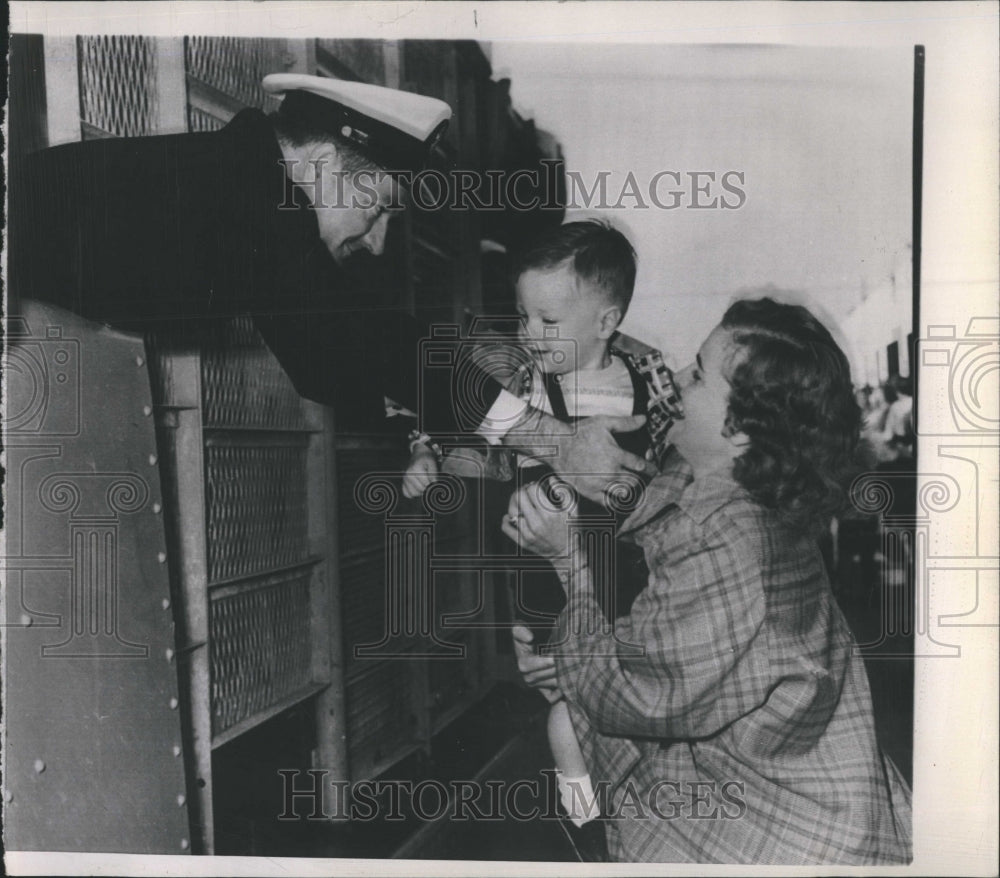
[[537, 671], [587, 456], [591, 459], [534, 520]]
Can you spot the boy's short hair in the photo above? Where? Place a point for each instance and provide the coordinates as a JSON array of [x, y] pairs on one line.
[[791, 394], [600, 254]]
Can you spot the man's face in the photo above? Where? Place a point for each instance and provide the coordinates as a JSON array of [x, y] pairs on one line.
[[556, 307], [353, 209]]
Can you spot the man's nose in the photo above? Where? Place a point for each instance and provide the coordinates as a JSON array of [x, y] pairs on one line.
[[374, 241]]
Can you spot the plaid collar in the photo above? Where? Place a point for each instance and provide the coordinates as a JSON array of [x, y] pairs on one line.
[[708, 493], [676, 487]]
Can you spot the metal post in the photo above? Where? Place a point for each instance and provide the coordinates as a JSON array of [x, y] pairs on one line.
[[182, 418]]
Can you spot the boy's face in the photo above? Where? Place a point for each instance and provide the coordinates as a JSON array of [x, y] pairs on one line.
[[556, 307], [704, 391]]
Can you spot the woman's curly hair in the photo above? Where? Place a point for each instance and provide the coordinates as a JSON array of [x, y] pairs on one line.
[[791, 394]]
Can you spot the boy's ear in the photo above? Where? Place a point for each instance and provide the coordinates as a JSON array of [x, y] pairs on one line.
[[610, 319]]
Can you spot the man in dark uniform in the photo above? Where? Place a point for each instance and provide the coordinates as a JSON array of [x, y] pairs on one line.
[[259, 218]]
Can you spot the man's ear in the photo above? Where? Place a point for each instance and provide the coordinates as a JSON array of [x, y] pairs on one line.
[[323, 159], [610, 319]]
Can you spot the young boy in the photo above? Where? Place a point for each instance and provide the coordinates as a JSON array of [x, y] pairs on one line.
[[744, 733], [573, 287]]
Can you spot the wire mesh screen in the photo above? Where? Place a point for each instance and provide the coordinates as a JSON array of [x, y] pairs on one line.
[[117, 85], [199, 120], [236, 65], [256, 508], [260, 646], [363, 58], [243, 385], [450, 678], [361, 538], [381, 715]]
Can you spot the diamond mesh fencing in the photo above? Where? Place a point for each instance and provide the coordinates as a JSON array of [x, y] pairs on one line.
[[235, 66], [260, 646], [117, 85]]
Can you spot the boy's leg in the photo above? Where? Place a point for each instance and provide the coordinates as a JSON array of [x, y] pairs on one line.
[[575, 788], [563, 741]]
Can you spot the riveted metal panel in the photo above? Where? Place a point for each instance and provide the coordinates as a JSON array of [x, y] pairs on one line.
[[93, 757]]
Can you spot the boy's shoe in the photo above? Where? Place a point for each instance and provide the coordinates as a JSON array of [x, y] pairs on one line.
[[588, 841]]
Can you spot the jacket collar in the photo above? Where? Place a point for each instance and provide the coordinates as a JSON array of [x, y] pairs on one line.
[[675, 487], [708, 493]]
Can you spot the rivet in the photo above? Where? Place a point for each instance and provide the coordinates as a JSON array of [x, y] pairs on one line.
[[181, 799], [170, 655], [39, 766], [8, 796], [173, 704], [147, 410], [26, 620], [139, 361], [165, 603], [346, 131], [161, 557], [177, 750], [152, 460], [184, 844], [157, 508]]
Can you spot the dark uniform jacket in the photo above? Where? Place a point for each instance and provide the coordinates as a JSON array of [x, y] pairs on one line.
[[153, 232]]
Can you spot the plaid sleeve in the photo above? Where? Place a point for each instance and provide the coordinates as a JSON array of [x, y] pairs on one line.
[[692, 655]]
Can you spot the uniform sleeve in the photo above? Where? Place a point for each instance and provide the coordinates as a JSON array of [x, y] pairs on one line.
[[352, 359], [688, 660]]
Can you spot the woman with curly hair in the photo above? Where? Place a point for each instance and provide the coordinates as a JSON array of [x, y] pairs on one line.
[[741, 730]]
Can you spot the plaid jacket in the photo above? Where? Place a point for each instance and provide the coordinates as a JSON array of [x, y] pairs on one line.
[[730, 719]]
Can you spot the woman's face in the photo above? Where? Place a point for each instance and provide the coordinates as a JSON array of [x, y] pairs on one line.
[[705, 393]]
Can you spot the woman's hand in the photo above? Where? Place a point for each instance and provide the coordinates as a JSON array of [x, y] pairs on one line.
[[537, 517], [537, 671]]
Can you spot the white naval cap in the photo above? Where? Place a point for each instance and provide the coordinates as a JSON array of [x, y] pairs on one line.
[[397, 129]]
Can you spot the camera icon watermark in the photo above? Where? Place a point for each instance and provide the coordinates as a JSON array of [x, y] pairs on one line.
[[465, 369], [42, 382], [960, 377]]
